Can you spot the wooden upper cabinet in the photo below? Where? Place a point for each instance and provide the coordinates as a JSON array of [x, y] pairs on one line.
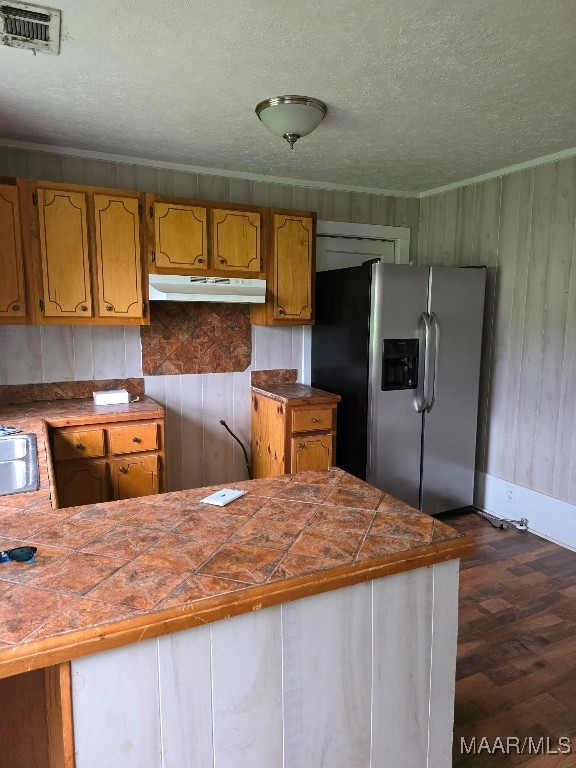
[[64, 253], [181, 237], [293, 265], [118, 256], [236, 241], [12, 291]]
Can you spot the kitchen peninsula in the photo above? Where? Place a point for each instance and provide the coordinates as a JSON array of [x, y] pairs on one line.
[[312, 622]]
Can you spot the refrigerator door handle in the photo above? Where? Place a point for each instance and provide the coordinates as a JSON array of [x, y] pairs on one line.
[[421, 405], [431, 392]]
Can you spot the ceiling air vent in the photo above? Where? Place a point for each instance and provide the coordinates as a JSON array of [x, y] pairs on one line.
[[30, 26]]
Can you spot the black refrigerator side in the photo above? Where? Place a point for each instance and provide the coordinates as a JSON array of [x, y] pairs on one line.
[[340, 340]]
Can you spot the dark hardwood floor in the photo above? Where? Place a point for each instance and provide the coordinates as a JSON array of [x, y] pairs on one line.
[[516, 672]]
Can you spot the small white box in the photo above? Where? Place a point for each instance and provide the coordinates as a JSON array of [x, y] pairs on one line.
[[111, 397], [223, 497]]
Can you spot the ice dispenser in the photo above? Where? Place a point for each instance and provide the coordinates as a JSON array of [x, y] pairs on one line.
[[399, 364]]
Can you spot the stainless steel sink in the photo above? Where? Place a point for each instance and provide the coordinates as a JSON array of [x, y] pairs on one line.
[[18, 464]]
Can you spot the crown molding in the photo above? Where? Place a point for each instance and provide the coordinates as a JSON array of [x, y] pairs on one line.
[[128, 160], [501, 172]]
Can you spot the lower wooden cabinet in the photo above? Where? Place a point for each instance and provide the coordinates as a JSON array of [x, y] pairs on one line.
[[84, 482], [131, 463], [135, 476], [293, 429], [311, 452]]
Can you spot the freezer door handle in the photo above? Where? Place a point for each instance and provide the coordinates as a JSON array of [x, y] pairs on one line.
[[431, 391], [422, 403]]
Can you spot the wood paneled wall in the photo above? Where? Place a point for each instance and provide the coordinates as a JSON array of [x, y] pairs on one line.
[[357, 677], [199, 452], [331, 205], [522, 227]]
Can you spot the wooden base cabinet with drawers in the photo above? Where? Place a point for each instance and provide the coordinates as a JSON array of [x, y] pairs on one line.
[[293, 429], [108, 462]]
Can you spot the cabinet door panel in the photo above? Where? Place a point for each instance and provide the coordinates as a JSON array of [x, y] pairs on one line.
[[65, 254], [12, 296], [292, 249], [83, 482], [181, 237], [236, 241], [136, 476], [117, 236], [311, 453]]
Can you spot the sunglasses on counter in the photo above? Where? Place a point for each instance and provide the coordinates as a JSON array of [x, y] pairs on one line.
[[19, 554]]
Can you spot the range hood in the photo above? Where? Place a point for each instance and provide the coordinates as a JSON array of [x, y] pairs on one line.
[[186, 288]]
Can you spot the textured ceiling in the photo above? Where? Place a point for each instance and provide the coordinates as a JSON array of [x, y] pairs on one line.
[[420, 93]]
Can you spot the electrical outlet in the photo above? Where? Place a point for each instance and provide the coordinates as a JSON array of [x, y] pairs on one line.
[[509, 495]]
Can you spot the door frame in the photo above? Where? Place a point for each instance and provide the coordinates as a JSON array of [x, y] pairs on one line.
[[400, 236]]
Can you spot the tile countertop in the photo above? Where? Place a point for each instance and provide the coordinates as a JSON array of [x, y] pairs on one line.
[[110, 574]]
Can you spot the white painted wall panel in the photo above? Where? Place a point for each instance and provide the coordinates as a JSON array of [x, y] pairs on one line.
[[402, 637], [117, 708], [247, 690], [185, 677], [327, 664], [443, 663]]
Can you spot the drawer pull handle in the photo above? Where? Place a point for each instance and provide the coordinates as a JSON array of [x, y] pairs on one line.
[[314, 421], [136, 440], [123, 470], [80, 447]]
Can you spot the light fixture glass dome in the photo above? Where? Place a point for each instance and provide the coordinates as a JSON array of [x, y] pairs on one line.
[[291, 117]]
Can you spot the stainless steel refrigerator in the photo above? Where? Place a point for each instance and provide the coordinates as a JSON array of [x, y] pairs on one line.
[[401, 345]]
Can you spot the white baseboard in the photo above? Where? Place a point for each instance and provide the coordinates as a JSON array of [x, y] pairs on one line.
[[548, 517]]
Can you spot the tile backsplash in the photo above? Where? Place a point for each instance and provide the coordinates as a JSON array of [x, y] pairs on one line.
[[196, 337]]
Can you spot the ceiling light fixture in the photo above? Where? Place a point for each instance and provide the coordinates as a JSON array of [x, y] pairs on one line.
[[291, 117]]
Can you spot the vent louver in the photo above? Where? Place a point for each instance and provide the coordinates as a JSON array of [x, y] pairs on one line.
[[30, 26]]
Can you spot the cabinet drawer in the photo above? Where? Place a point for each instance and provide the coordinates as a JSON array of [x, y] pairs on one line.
[[312, 453], [311, 419], [133, 438], [80, 444]]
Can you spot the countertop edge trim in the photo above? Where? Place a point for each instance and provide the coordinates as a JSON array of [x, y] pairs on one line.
[[74, 645]]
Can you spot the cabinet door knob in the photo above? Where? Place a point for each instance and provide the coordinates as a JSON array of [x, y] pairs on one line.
[[108, 308], [300, 446], [200, 261], [80, 447], [222, 261], [314, 421], [123, 470], [280, 311], [16, 307], [84, 308], [136, 440]]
